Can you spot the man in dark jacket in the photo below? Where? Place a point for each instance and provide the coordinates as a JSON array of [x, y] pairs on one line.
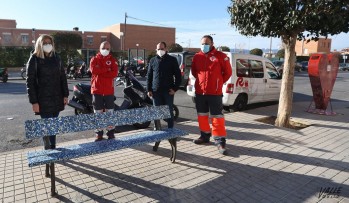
[[163, 79]]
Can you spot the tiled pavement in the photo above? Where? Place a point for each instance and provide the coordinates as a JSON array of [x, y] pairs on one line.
[[265, 164]]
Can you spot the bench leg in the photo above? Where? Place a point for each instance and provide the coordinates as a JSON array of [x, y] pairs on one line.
[[157, 126], [173, 143], [156, 146], [53, 180], [47, 171]]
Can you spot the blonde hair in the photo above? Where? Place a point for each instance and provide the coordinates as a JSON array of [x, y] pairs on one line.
[[39, 52]]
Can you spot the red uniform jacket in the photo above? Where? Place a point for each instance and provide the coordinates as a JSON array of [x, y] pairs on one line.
[[211, 71], [104, 69]]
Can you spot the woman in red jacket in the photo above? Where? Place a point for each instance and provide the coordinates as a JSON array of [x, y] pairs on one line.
[[212, 69], [104, 69]]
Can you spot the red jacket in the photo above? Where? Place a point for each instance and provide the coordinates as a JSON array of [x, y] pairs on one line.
[[211, 71], [104, 69]]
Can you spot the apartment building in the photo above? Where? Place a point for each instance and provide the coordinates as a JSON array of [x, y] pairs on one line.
[[137, 38]]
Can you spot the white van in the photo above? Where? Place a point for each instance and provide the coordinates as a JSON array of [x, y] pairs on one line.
[[254, 79]]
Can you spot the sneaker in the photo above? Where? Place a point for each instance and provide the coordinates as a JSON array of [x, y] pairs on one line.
[[220, 143]]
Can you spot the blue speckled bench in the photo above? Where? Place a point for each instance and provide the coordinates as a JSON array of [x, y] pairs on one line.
[[56, 126]]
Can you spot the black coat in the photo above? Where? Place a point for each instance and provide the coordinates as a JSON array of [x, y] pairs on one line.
[[163, 74], [47, 83]]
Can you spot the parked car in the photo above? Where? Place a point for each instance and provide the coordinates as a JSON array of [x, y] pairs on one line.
[[343, 67], [254, 79], [184, 60], [280, 66], [304, 65]]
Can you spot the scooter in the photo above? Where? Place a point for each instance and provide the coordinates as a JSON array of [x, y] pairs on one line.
[[133, 98], [130, 79], [3, 74], [142, 70]]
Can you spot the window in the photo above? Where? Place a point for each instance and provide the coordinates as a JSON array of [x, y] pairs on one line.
[[25, 38], [256, 69], [271, 70], [6, 37], [242, 69], [103, 38], [89, 39]]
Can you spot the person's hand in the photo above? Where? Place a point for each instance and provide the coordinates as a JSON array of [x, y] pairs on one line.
[[65, 101], [36, 108], [171, 92], [150, 94]]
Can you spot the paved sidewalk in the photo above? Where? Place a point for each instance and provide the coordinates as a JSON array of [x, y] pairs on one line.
[[265, 164]]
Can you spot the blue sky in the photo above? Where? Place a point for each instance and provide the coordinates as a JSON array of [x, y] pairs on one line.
[[191, 18]]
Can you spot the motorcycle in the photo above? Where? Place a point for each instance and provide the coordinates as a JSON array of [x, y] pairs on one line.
[[142, 70], [72, 72], [4, 74], [130, 79], [82, 72], [24, 72], [135, 96]]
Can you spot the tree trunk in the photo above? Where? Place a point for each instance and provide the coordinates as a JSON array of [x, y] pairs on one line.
[[286, 93]]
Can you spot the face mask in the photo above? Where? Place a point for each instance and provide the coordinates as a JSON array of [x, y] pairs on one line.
[[205, 48], [104, 52], [161, 52], [47, 48]]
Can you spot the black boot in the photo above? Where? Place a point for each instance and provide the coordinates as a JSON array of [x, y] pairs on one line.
[[99, 135], [110, 134], [204, 138], [220, 143]]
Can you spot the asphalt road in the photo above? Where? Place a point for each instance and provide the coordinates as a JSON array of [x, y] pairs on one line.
[[15, 108]]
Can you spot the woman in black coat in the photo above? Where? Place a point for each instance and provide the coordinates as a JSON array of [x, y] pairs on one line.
[[46, 83]]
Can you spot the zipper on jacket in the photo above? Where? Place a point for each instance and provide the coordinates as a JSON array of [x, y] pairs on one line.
[[217, 86], [206, 72]]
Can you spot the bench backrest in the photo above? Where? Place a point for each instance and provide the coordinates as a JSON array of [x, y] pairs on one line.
[[65, 124]]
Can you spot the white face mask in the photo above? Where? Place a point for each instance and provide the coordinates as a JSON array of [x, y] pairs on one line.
[[161, 52], [47, 48], [104, 52]]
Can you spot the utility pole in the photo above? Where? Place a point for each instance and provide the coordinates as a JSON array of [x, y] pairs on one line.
[[123, 39]]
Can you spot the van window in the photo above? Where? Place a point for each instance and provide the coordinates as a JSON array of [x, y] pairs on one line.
[[242, 68], [271, 70], [256, 69]]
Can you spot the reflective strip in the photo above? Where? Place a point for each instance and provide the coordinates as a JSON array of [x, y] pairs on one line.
[[217, 116], [98, 111]]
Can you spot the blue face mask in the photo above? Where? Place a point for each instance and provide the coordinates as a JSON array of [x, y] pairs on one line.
[[205, 48]]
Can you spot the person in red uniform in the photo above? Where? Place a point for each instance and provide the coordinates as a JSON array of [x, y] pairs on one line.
[[212, 69], [104, 69]]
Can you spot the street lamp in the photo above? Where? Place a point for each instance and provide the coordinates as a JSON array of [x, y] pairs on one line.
[[137, 53], [121, 43]]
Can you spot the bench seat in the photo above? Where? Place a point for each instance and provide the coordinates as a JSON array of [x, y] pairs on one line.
[[36, 158]]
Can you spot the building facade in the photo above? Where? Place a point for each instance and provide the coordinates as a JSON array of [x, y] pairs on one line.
[[141, 40], [304, 48]]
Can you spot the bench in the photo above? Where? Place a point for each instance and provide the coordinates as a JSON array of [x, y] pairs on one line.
[[60, 125]]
